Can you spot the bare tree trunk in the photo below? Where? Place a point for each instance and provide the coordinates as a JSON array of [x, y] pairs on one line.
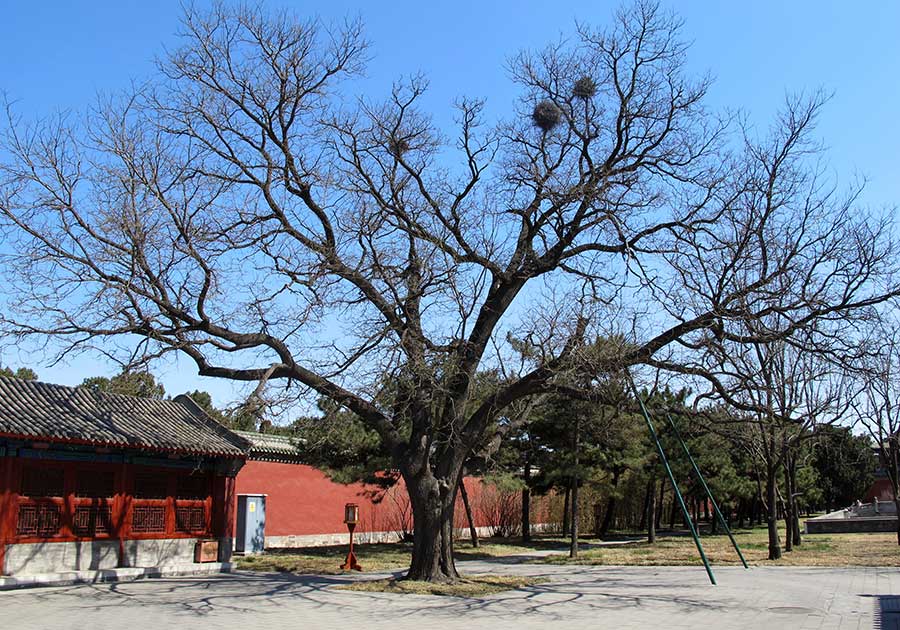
[[526, 504], [892, 463], [772, 515], [661, 503], [645, 512], [651, 511], [788, 508], [788, 529], [473, 532], [610, 505], [758, 501], [608, 516], [795, 523], [897, 506], [565, 528], [573, 546], [433, 501], [895, 488]]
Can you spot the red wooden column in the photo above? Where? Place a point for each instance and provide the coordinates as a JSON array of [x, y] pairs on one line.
[[8, 470], [172, 484], [222, 514], [121, 512], [228, 508], [68, 513]]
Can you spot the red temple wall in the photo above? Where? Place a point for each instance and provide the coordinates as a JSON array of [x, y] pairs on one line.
[[303, 501]]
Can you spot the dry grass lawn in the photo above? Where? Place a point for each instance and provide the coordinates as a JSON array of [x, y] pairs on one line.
[[375, 558], [817, 550], [469, 586], [327, 560]]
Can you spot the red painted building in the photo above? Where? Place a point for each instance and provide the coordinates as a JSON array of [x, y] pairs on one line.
[[92, 481]]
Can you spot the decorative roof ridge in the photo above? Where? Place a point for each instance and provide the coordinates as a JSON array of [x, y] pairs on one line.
[[268, 436], [266, 446]]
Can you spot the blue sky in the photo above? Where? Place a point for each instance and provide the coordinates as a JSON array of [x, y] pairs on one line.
[[58, 55]]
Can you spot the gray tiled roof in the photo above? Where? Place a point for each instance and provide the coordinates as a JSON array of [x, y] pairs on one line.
[[269, 446], [55, 413]]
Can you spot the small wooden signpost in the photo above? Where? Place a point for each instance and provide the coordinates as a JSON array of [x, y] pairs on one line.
[[351, 518]]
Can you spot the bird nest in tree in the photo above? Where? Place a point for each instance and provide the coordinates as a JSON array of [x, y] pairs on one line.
[[584, 87], [546, 115], [398, 146]]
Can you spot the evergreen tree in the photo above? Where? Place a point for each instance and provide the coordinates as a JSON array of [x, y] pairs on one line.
[[844, 464], [23, 373], [138, 384]]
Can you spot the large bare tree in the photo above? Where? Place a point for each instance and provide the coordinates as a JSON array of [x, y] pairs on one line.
[[246, 210]]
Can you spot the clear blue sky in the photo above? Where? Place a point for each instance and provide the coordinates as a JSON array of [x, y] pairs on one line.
[[57, 55]]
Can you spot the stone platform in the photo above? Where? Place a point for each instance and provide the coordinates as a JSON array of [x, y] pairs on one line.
[[865, 518]]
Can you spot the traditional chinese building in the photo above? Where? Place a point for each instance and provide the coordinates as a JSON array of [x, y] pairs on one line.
[[91, 480]]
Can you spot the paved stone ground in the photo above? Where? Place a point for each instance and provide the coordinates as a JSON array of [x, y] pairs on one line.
[[575, 597]]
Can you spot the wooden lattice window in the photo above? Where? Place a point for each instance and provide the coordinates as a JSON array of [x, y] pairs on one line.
[[193, 488], [148, 519], [91, 520], [190, 519], [95, 484], [43, 482], [151, 485], [38, 519]]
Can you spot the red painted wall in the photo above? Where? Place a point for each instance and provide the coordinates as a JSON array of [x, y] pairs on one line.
[[881, 490], [303, 501]]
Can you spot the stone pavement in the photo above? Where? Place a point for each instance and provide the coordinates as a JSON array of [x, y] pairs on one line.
[[575, 597]]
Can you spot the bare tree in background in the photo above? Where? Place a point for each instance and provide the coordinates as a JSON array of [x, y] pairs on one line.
[[877, 408], [244, 210], [783, 363], [796, 391]]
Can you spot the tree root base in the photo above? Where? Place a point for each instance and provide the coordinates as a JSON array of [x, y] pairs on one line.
[[468, 586]]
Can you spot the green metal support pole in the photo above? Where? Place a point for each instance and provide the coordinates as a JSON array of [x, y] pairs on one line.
[[665, 462], [709, 494]]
